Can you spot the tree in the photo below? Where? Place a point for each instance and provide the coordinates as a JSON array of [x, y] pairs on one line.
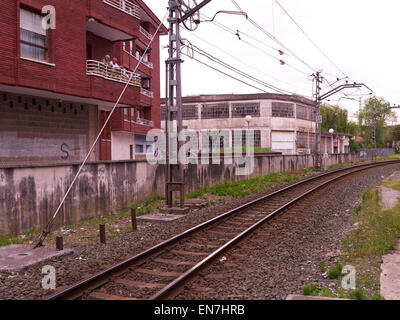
[[336, 118], [382, 115]]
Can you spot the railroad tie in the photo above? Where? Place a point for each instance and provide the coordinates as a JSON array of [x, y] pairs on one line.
[[158, 273], [174, 262], [140, 285], [189, 253], [105, 296]]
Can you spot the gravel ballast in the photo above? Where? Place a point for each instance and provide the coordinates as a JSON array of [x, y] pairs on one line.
[[264, 274]]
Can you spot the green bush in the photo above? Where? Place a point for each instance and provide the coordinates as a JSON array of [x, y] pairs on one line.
[[335, 271], [310, 290], [357, 294]]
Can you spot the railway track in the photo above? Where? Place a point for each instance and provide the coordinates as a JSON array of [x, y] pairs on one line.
[[161, 271]]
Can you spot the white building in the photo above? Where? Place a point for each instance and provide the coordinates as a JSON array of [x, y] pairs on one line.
[[282, 123]]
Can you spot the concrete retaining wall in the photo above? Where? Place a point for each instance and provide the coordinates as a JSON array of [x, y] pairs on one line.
[[30, 195]]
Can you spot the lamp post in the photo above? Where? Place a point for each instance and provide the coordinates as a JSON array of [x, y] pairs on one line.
[[248, 120], [331, 131]]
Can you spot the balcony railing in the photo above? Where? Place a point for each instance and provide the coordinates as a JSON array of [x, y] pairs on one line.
[[146, 63], [145, 33], [125, 6], [146, 93], [99, 69], [145, 122]]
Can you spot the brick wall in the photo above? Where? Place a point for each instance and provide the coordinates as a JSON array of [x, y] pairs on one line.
[[67, 50], [34, 129]]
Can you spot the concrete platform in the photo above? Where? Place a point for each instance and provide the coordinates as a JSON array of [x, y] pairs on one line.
[[390, 268], [195, 203], [175, 211], [310, 298], [16, 257], [160, 217]]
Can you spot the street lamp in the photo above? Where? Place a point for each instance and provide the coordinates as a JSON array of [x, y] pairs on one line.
[[331, 131], [248, 120]]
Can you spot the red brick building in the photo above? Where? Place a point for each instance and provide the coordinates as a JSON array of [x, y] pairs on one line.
[[55, 89]]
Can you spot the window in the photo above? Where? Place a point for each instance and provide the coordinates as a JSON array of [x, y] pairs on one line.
[[302, 112], [215, 111], [139, 148], [282, 110], [126, 114], [132, 114], [190, 112], [131, 152], [163, 112], [241, 110], [257, 138], [146, 83], [302, 140], [34, 39]]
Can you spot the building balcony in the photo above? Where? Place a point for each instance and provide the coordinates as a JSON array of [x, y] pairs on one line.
[[99, 69], [145, 122], [125, 6], [144, 32], [148, 64], [147, 93]]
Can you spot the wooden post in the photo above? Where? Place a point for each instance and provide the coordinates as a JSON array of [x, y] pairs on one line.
[[59, 243], [134, 221], [102, 234]]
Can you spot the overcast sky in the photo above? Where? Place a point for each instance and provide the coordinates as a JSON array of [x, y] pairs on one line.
[[359, 36]]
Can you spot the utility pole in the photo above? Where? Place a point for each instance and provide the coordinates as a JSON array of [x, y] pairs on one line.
[[175, 179], [318, 122], [318, 119], [373, 131]]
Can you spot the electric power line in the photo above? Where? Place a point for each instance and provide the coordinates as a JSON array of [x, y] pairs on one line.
[[245, 63], [254, 23], [242, 73], [309, 38]]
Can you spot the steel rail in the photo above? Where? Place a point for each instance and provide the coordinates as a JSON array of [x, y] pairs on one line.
[[77, 290]]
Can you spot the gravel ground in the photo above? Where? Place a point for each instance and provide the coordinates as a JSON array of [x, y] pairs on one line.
[[284, 255], [273, 281], [90, 259]]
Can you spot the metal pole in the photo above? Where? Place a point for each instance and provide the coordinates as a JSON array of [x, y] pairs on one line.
[[373, 131], [318, 120], [174, 102]]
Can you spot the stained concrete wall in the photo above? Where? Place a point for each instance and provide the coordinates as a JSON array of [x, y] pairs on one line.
[[30, 195]]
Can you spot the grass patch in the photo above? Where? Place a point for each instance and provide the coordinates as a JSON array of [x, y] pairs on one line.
[[392, 184], [375, 234], [242, 188], [312, 290], [148, 206], [389, 157], [340, 165], [335, 272]]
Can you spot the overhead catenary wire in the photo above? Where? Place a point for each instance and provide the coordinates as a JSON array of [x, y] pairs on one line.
[[280, 43], [245, 63], [51, 221], [309, 38], [239, 34], [224, 73], [236, 70]]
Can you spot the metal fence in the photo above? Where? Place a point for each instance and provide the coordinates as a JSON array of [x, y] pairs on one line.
[[366, 154]]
